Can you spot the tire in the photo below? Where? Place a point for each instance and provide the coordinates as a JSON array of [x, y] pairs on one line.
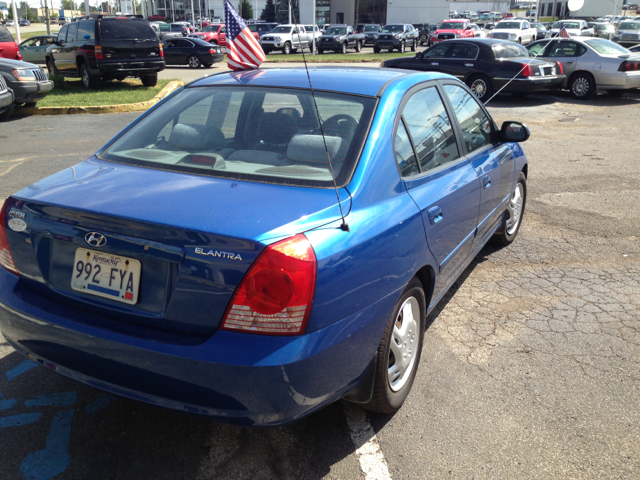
[[582, 86], [294, 50], [616, 93], [358, 47], [423, 39], [120, 78], [7, 113], [149, 80], [89, 81], [519, 41], [402, 47], [207, 65], [414, 45], [390, 49], [343, 48], [320, 51], [376, 49], [513, 215], [286, 49], [194, 62], [50, 68], [481, 87], [405, 333]]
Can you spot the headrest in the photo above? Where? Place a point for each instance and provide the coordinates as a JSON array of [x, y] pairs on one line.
[[276, 128], [199, 137], [310, 149]]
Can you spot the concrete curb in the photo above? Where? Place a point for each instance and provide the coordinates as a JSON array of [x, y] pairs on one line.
[[168, 89]]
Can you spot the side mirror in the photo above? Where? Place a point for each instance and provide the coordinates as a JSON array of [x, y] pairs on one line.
[[420, 54], [514, 132]]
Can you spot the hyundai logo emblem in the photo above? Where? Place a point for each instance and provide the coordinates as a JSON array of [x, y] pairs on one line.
[[95, 239]]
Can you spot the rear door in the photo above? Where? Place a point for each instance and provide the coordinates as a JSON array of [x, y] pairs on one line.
[[29, 49], [461, 59], [441, 181], [70, 48]]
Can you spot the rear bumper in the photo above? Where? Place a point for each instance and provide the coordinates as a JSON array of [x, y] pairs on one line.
[[244, 379], [618, 80], [132, 68], [31, 91], [530, 84]]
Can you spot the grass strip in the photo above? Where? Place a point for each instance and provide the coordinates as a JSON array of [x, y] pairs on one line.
[[71, 93], [337, 57]]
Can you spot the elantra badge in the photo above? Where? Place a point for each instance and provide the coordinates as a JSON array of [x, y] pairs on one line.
[[95, 239], [217, 253]]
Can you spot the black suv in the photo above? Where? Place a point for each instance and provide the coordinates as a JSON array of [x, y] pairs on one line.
[[106, 46]]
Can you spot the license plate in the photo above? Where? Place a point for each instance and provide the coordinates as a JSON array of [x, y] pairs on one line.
[[105, 275]]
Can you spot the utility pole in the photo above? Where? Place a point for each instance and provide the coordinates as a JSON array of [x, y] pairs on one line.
[[15, 20], [553, 14], [86, 7], [289, 12], [46, 16]]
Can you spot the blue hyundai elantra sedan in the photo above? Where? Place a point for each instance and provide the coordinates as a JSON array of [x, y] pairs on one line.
[[253, 249]]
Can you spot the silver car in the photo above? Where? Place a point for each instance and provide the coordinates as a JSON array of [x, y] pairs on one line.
[[33, 49], [627, 33], [591, 64]]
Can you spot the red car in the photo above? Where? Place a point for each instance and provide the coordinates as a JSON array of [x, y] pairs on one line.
[[450, 29], [8, 46], [213, 34], [507, 15]]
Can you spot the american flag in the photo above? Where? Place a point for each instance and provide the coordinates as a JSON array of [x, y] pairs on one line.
[[243, 50], [563, 33]]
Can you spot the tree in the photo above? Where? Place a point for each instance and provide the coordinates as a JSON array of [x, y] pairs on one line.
[[283, 12], [269, 12], [91, 8], [245, 9], [66, 5], [26, 12]]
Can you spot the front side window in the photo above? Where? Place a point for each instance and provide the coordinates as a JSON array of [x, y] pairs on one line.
[[565, 49], [536, 49], [62, 34], [253, 133], [474, 123], [430, 129]]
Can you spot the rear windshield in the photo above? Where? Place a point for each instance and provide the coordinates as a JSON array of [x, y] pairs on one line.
[[259, 134], [605, 47], [129, 29], [509, 51], [570, 25], [5, 36]]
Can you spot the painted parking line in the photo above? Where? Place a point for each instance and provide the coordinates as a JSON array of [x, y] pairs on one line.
[[20, 369], [98, 404], [57, 399], [18, 420], [372, 461], [54, 458], [7, 404]]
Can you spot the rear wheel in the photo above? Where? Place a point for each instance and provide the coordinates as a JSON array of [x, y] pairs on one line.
[[399, 351], [423, 40], [50, 68], [88, 80], [582, 86], [193, 61], [481, 87], [414, 45], [149, 80], [514, 213]]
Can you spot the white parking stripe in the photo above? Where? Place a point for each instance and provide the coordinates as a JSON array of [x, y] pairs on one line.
[[370, 456]]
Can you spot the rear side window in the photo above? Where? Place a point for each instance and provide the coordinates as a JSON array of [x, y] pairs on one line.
[[465, 51], [261, 134], [504, 50], [430, 129], [5, 35], [405, 157], [129, 29], [85, 28]]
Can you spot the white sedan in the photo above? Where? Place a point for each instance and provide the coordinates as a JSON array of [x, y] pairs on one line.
[[479, 32]]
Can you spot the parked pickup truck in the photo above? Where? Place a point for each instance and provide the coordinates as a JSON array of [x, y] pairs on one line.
[[214, 34], [289, 38], [519, 31], [397, 35], [339, 38]]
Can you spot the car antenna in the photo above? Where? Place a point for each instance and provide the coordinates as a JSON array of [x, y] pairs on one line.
[[345, 226]]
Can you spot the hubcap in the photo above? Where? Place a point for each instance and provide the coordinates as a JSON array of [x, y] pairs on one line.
[[403, 348], [515, 209], [479, 88], [193, 62], [581, 86], [85, 76]]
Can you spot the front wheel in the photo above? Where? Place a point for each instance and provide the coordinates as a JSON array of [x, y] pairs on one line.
[[513, 215], [481, 87], [343, 48], [286, 49], [193, 61], [7, 113], [399, 351], [402, 47], [376, 49]]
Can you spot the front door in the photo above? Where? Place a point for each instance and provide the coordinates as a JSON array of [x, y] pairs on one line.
[[442, 182], [57, 52]]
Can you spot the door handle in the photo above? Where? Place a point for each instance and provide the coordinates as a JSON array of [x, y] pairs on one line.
[[434, 63], [486, 181], [435, 215], [468, 64], [570, 62]]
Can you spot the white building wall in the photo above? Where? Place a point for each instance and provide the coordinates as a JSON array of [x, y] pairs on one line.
[[600, 8], [417, 11], [502, 6]]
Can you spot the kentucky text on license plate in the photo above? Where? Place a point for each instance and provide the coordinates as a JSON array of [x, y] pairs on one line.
[[105, 275]]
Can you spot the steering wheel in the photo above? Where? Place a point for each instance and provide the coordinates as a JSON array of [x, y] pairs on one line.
[[340, 125]]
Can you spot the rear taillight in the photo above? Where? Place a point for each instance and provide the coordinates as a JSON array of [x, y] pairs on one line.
[[628, 66], [527, 71], [212, 51], [561, 67], [161, 50], [6, 260], [275, 296], [99, 52], [18, 56]]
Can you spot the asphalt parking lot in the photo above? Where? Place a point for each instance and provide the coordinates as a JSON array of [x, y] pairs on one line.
[[530, 367]]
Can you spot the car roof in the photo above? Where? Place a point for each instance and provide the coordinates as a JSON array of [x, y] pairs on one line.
[[370, 81]]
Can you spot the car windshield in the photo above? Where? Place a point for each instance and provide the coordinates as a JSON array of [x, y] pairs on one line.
[[252, 133], [177, 28], [452, 25], [629, 26], [129, 29], [281, 30], [509, 51], [336, 31], [572, 25], [5, 35], [371, 28], [211, 28], [509, 25], [393, 29], [605, 47]]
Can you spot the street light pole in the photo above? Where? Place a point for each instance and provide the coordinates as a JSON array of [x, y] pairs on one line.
[[15, 20]]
